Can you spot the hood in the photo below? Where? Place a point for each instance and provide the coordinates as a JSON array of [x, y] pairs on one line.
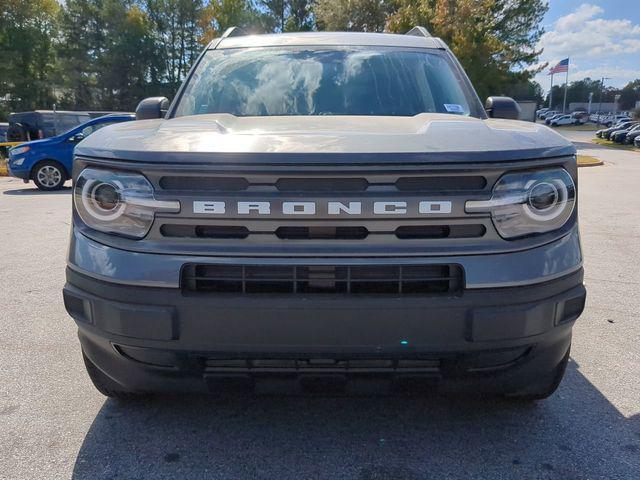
[[40, 143], [205, 137]]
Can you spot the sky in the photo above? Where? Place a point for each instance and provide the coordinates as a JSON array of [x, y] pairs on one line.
[[600, 37]]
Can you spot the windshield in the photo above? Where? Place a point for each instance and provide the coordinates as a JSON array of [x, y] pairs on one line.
[[331, 81]]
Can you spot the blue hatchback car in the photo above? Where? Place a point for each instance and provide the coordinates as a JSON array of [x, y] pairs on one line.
[[48, 162]]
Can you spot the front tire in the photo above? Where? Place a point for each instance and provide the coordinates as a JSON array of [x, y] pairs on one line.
[[544, 386], [49, 175], [106, 385]]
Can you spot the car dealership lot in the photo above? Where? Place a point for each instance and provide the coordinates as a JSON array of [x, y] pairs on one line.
[[53, 424]]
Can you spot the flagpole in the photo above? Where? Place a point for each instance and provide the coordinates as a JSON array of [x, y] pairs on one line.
[[566, 86], [551, 93]]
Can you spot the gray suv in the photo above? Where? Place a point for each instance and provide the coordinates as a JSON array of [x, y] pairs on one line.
[[325, 210]]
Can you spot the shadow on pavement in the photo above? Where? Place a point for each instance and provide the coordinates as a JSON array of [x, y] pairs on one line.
[[576, 434], [34, 191]]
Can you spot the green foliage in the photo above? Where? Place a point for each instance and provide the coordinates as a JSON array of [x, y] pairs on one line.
[[629, 95], [276, 14], [176, 28], [124, 65], [300, 16], [27, 30], [219, 15], [490, 37], [521, 87], [353, 15], [79, 47]]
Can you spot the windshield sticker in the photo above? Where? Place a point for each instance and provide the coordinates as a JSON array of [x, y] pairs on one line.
[[453, 108]]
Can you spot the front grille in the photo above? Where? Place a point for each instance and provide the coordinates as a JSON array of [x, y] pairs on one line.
[[441, 184], [328, 232], [329, 210], [421, 184], [215, 184], [203, 231], [324, 279], [441, 231], [324, 233], [308, 365], [340, 210]]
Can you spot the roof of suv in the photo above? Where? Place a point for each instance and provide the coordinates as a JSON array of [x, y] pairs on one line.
[[328, 39]]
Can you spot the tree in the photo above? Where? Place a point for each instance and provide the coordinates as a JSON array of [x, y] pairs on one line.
[[352, 15], [219, 15], [300, 16], [491, 38], [275, 15], [27, 30], [629, 95], [80, 46], [128, 48], [178, 31], [522, 87], [580, 90]]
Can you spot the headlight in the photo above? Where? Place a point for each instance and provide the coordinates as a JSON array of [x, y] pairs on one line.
[[529, 202], [121, 203], [18, 150]]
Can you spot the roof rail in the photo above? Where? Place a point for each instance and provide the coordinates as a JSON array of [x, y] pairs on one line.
[[233, 32], [229, 32], [419, 32]]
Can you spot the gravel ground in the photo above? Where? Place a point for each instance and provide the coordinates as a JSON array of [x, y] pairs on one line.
[[53, 424]]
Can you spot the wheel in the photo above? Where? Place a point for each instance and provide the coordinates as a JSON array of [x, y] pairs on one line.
[[49, 175], [544, 386], [105, 385]]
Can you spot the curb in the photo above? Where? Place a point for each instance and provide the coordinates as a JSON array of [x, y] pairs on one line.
[[586, 165]]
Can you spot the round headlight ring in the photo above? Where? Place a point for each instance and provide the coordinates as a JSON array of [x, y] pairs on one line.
[[102, 200], [106, 196], [556, 188]]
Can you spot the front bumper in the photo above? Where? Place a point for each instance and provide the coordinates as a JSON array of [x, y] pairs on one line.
[[159, 339], [499, 270], [21, 171]]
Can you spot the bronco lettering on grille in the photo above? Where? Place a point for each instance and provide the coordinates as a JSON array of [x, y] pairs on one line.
[[395, 207]]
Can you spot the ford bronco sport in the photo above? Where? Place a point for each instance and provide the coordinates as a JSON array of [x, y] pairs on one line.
[[325, 209]]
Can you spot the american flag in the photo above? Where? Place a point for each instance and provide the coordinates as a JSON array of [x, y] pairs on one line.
[[562, 66]]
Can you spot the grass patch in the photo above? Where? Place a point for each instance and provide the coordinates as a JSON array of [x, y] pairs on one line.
[[588, 161], [4, 171], [587, 127], [609, 143]]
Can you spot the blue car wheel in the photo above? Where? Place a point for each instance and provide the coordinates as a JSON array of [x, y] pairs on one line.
[[49, 175]]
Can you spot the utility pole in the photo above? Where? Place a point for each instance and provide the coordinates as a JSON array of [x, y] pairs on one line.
[[55, 120], [590, 100], [566, 86], [600, 101]]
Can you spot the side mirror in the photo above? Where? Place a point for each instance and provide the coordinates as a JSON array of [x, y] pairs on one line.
[[78, 137], [502, 107], [152, 107]]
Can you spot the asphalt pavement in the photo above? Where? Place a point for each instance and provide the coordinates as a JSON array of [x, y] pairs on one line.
[[55, 425]]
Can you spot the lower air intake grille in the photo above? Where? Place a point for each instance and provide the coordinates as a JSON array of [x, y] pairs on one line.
[[324, 279]]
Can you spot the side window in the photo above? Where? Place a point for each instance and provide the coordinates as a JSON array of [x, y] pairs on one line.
[[66, 122], [86, 131], [93, 128]]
